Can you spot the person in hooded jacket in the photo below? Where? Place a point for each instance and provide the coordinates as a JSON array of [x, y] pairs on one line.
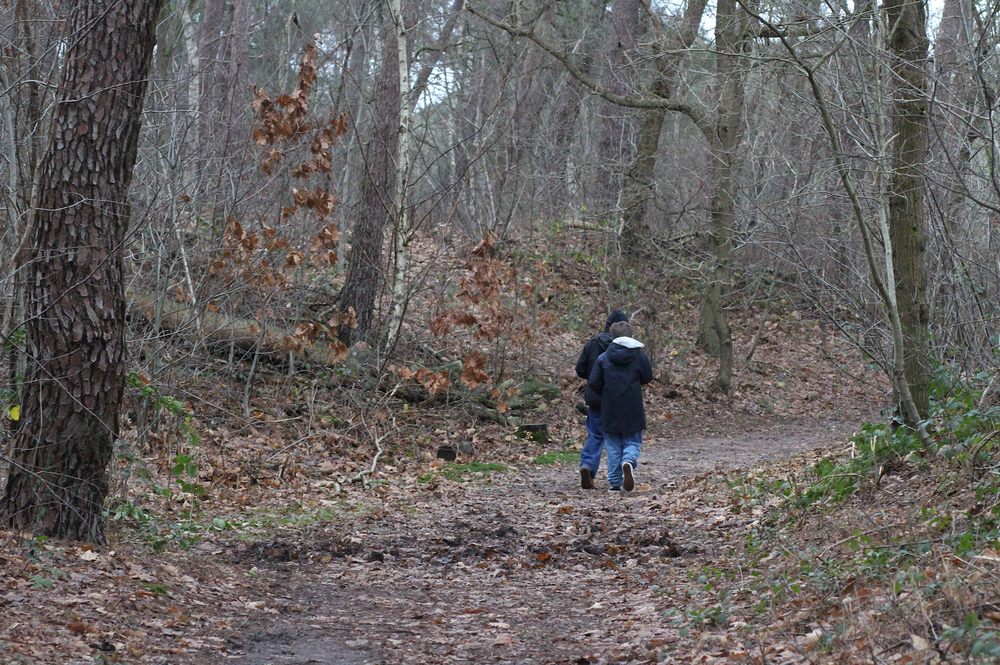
[[617, 378], [590, 456]]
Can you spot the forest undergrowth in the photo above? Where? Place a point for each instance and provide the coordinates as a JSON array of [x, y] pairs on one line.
[[240, 489]]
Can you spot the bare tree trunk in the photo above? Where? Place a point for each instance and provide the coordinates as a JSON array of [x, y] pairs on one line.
[[356, 71], [364, 261], [883, 286], [615, 147], [952, 50], [24, 99], [714, 333], [639, 181], [27, 16], [908, 45], [408, 100], [401, 231], [76, 327], [210, 43]]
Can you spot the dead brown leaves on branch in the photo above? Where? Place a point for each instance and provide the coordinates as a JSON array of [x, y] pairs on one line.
[[434, 382], [496, 302], [484, 309], [304, 336], [285, 120], [282, 124], [474, 370], [502, 304], [346, 319], [267, 260], [254, 258], [309, 333]]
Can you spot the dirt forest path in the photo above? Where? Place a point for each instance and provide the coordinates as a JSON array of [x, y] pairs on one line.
[[522, 568]]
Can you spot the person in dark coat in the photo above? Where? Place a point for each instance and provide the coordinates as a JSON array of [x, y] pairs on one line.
[[618, 377], [590, 456]]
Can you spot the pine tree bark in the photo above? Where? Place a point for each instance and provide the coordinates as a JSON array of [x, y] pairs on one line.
[[76, 329], [908, 46]]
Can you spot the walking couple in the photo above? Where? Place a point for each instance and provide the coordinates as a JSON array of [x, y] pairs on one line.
[[616, 368]]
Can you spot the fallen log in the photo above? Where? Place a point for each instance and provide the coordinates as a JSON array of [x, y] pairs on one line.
[[224, 333], [500, 418], [532, 386]]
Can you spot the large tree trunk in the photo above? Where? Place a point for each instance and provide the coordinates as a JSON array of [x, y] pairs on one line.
[[908, 46], [714, 333], [364, 261], [76, 334], [639, 182], [351, 102]]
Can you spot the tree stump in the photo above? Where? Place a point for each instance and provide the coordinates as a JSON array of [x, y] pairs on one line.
[[537, 432], [448, 453]]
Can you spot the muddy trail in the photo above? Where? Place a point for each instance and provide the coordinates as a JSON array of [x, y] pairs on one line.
[[520, 567]]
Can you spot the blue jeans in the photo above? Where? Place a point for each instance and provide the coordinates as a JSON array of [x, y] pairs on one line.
[[590, 456], [622, 447]]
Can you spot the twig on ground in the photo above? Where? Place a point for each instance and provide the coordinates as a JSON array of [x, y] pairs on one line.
[[292, 445], [360, 477], [853, 536]]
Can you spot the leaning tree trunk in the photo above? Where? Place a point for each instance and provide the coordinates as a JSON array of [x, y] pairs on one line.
[[76, 316], [907, 21]]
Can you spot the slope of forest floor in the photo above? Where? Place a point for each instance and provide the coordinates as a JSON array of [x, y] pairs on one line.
[[329, 532]]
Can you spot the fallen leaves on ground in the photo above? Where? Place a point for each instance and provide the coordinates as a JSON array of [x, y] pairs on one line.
[[416, 560]]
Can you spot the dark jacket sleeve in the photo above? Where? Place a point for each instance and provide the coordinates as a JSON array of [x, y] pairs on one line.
[[583, 364], [596, 380], [645, 370]]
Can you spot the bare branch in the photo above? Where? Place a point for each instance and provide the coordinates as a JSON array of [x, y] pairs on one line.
[[436, 52], [696, 115]]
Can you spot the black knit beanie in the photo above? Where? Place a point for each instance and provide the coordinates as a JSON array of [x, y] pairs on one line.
[[615, 317]]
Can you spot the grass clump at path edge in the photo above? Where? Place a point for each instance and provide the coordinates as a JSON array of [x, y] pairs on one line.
[[466, 472], [558, 457]]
